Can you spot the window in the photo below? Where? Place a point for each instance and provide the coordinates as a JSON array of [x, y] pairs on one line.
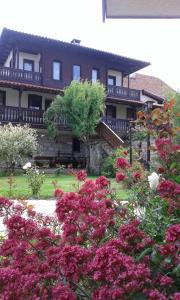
[[34, 101], [95, 75], [76, 72], [2, 98], [56, 70], [111, 111], [111, 80], [76, 145], [28, 65], [47, 103], [131, 114]]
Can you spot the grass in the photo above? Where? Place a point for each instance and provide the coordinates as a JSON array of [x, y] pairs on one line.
[[67, 183]]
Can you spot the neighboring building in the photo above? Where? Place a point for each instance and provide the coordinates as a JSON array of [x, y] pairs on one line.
[[34, 69], [150, 85]]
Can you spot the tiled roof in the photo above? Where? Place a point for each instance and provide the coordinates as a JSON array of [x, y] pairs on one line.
[[8, 37], [151, 84], [28, 86]]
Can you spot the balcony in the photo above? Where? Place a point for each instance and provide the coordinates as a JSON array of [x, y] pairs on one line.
[[18, 75], [33, 117], [123, 93], [120, 126]]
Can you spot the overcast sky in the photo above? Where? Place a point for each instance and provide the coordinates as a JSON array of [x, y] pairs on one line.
[[155, 41]]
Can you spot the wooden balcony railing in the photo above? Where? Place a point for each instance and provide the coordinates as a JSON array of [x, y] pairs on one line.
[[20, 75], [118, 125], [27, 116], [36, 118], [123, 92]]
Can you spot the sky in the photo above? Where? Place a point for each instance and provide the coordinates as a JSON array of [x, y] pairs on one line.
[[154, 41]]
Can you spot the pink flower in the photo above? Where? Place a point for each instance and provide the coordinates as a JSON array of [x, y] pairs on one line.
[[119, 177], [58, 193], [102, 181], [173, 233], [137, 175], [121, 162], [125, 152], [166, 188], [81, 175], [166, 281]]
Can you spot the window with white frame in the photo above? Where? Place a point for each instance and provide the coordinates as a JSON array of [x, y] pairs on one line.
[[56, 70]]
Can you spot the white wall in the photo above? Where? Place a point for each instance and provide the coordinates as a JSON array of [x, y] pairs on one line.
[[144, 98], [34, 57], [118, 76], [12, 97], [121, 110]]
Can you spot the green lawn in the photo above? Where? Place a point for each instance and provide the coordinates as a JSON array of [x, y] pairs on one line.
[[65, 182]]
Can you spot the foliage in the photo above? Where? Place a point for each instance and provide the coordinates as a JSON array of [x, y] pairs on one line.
[[35, 179], [159, 122], [89, 250], [176, 119], [157, 199], [82, 106], [11, 184], [96, 246], [60, 170], [108, 166], [16, 144]]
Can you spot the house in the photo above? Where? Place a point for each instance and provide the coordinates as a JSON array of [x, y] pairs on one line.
[[150, 86], [34, 69]]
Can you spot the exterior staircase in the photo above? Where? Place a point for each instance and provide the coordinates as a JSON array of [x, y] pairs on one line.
[[107, 134]]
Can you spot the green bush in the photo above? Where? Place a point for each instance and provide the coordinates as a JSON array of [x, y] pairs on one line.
[[108, 165]]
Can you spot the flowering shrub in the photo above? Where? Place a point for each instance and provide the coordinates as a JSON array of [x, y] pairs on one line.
[[108, 166], [34, 177], [128, 174], [95, 248], [17, 143], [88, 251]]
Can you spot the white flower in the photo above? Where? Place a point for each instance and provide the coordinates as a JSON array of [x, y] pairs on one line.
[[27, 166], [153, 180]]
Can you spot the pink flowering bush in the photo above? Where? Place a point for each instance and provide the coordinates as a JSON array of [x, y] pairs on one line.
[[89, 250], [95, 247]]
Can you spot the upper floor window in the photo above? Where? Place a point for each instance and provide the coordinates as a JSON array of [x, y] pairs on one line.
[[56, 70], [2, 98], [28, 65], [94, 75], [111, 80], [76, 72]]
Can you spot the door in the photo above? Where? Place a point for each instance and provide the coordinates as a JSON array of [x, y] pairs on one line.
[[111, 111], [47, 103]]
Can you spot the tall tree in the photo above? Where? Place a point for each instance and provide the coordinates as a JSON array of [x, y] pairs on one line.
[[83, 106]]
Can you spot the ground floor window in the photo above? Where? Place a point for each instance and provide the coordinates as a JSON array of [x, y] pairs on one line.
[[2, 98], [76, 147], [34, 101], [131, 114]]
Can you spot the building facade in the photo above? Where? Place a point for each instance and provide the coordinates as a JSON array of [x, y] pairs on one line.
[[33, 70]]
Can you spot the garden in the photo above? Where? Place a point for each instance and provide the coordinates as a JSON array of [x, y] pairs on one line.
[[97, 245]]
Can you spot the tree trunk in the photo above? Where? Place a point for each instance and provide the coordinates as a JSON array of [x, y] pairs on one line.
[[88, 156]]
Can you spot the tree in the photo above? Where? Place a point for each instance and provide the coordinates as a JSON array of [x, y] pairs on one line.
[[17, 143], [83, 106]]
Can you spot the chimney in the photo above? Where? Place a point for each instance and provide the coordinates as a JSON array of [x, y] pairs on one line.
[[76, 42]]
